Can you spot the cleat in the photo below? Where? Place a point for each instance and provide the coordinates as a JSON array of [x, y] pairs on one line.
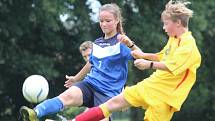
[[28, 114]]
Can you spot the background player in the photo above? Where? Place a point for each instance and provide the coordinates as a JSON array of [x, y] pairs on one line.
[[85, 50]]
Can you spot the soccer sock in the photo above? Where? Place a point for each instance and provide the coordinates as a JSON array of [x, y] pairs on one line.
[[49, 106], [93, 114], [105, 110]]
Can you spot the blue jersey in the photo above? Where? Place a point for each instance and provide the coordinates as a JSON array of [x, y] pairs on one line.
[[109, 60]]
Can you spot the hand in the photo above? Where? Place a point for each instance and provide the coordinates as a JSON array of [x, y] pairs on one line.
[[124, 39], [142, 64], [137, 54], [70, 81]]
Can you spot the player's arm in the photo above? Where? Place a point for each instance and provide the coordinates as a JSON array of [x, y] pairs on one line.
[[159, 65], [136, 51], [78, 77], [146, 64], [127, 41], [138, 54], [133, 46], [83, 72]]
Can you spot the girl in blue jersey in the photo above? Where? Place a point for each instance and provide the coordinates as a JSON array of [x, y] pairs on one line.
[[105, 73]]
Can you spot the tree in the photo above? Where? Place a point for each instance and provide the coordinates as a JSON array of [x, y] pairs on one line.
[[34, 40]]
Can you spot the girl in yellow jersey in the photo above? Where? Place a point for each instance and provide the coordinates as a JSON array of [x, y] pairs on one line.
[[166, 89]]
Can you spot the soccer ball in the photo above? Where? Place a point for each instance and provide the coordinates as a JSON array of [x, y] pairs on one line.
[[35, 88]]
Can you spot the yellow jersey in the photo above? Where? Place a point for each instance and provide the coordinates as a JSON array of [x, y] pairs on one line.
[[182, 58]]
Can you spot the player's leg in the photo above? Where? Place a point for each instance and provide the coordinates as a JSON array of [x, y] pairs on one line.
[[116, 103], [131, 96], [140, 96], [158, 111], [71, 97], [27, 114], [100, 98], [46, 107]]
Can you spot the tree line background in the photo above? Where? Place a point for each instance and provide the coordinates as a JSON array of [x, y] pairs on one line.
[[34, 40]]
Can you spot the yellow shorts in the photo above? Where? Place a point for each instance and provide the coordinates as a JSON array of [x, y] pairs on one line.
[[156, 110]]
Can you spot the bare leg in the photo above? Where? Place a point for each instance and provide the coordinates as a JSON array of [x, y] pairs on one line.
[[117, 103], [72, 97]]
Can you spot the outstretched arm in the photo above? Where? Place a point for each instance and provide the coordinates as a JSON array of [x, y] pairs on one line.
[[146, 64], [138, 54], [136, 51], [127, 41], [78, 77]]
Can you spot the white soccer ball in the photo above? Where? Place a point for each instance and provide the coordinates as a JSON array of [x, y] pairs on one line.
[[35, 88]]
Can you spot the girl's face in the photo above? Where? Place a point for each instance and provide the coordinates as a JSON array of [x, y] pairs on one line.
[[170, 27], [108, 23]]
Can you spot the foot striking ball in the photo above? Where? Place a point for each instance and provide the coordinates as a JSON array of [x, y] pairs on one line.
[[35, 88]]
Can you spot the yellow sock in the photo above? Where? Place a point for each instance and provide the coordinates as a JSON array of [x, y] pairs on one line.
[[105, 110]]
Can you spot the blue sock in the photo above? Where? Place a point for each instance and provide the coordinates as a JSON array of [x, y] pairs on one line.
[[49, 106]]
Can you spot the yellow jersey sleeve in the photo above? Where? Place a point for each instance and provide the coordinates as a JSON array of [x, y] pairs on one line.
[[184, 57], [162, 52]]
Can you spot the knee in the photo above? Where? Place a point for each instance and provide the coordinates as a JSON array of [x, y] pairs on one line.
[[71, 97], [117, 103], [65, 96], [110, 104]]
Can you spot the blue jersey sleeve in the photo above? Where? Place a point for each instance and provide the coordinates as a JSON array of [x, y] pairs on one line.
[[126, 52]]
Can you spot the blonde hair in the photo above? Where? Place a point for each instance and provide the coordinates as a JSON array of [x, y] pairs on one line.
[[177, 10], [116, 11], [85, 45]]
